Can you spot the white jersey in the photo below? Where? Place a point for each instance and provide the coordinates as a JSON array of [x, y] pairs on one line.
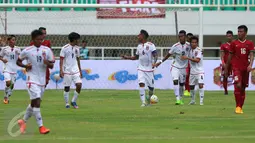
[[196, 68], [35, 57], [11, 55], [178, 50], [144, 51], [70, 54]]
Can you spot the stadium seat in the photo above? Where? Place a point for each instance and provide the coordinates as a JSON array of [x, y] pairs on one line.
[[228, 2], [80, 2], [91, 2], [29, 9], [241, 8], [252, 8], [7, 9], [207, 2], [57, 2]]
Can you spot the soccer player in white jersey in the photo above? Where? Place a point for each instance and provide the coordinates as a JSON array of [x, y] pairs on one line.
[[70, 68], [146, 53], [178, 69], [38, 58], [9, 56], [196, 70]]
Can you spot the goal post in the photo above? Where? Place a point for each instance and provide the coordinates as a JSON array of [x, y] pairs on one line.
[[168, 7]]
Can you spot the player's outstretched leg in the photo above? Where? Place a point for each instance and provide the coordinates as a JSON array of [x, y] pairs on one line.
[[177, 92], [238, 98], [225, 85], [192, 94], [76, 94], [151, 92], [142, 94], [181, 92], [201, 93], [22, 122], [7, 91], [66, 96]]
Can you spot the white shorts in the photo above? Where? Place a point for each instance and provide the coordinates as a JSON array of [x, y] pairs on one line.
[[68, 79], [35, 91], [196, 79], [146, 77], [178, 74], [9, 77]]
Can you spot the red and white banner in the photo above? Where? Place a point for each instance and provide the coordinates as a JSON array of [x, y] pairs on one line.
[[108, 13]]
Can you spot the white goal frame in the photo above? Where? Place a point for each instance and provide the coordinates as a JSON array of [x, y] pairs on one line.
[[200, 6]]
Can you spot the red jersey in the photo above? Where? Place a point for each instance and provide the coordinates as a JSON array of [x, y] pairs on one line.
[[44, 43], [241, 51], [225, 48]]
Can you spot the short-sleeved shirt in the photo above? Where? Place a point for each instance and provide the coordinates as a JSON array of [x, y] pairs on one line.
[[35, 56], [145, 52], [241, 51], [11, 55], [196, 68], [178, 50], [225, 48], [70, 54]]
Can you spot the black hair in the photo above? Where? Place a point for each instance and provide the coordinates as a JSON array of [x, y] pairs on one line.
[[73, 36], [194, 38], [42, 28], [182, 32], [145, 33], [36, 33], [10, 37], [84, 41], [190, 34], [243, 27], [229, 32]]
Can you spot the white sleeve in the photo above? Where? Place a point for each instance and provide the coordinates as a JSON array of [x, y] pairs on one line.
[[153, 48], [50, 56], [62, 53], [172, 50], [23, 54], [199, 54], [18, 51], [137, 51]]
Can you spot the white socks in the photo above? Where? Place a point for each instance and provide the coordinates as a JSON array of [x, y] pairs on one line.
[[29, 113], [193, 95], [66, 97], [7, 91], [142, 94], [38, 116], [75, 96], [201, 94], [177, 92]]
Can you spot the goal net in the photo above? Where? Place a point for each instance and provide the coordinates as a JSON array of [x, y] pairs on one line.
[[110, 28]]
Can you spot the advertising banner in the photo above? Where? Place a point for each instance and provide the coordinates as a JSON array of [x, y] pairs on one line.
[[108, 13], [122, 75]]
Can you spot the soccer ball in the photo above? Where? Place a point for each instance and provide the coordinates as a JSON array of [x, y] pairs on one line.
[[154, 99], [56, 76]]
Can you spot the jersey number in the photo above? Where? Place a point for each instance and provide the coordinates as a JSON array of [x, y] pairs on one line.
[[39, 59], [12, 57], [243, 51]]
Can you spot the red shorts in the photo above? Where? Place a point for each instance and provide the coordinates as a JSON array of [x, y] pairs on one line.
[[47, 75], [241, 76]]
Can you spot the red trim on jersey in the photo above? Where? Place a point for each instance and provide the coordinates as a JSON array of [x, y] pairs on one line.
[[29, 82], [177, 67], [9, 72], [71, 73], [197, 73]]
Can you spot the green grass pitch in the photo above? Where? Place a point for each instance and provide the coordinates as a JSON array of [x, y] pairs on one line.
[[114, 116]]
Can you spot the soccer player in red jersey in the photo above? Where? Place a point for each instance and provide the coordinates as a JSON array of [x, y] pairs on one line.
[[224, 48], [47, 44], [187, 88], [240, 50]]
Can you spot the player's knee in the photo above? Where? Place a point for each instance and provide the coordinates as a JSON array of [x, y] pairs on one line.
[[67, 88], [8, 83], [141, 84], [182, 84], [201, 86], [192, 87], [36, 103], [175, 82]]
